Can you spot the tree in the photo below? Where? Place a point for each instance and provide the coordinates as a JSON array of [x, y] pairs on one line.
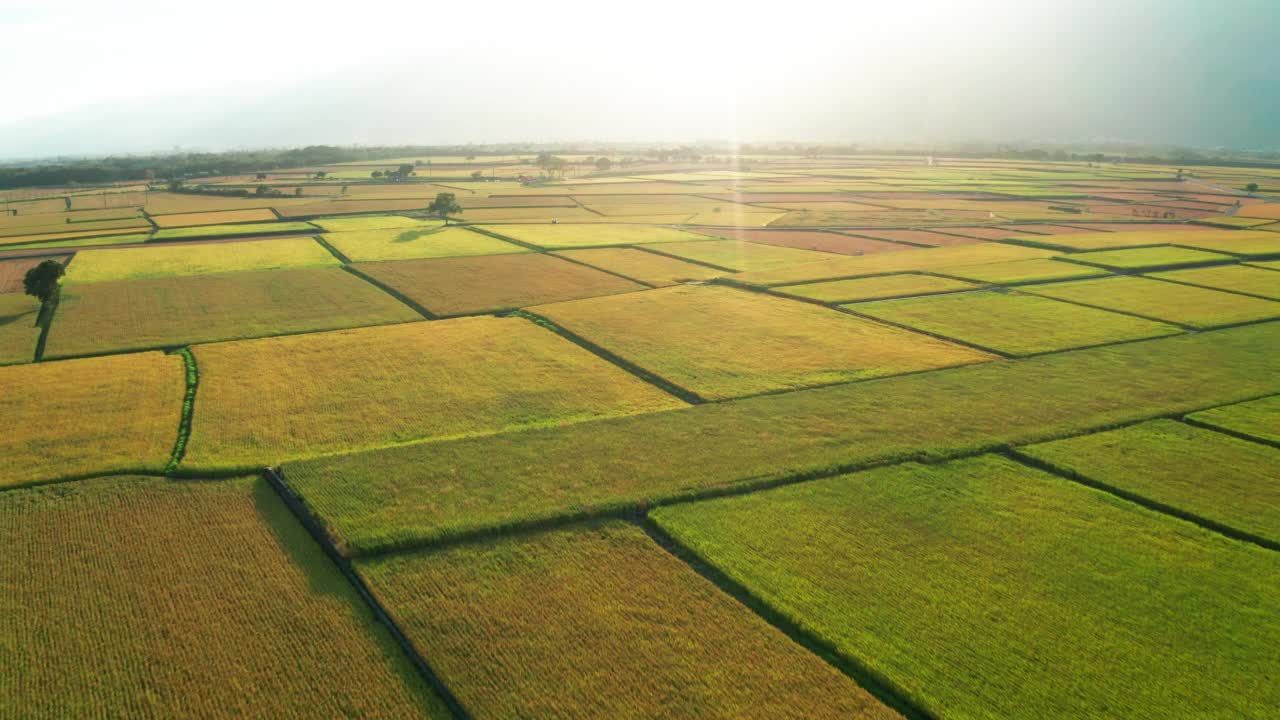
[[444, 205], [261, 176], [405, 170], [297, 191], [604, 164], [41, 281], [320, 174], [375, 174], [262, 190], [1251, 187], [477, 175]]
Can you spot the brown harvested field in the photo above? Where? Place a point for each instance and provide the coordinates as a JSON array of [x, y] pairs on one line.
[[489, 283], [1270, 211], [163, 203], [646, 267], [811, 240], [214, 218], [18, 329], [13, 271], [1133, 227], [510, 201], [919, 237], [783, 197]]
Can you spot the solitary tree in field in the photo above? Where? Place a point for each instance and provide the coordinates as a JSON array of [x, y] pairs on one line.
[[1252, 188], [261, 176], [375, 174], [477, 175], [444, 205], [41, 281], [603, 164]]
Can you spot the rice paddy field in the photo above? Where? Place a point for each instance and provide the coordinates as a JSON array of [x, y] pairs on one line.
[[457, 366], [732, 342], [773, 436], [200, 259], [1187, 305], [1013, 323], [470, 285]]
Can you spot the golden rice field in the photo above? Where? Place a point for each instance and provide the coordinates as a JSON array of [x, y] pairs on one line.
[[196, 259], [896, 262], [171, 311], [740, 255], [1170, 302], [204, 599], [877, 288], [721, 342], [264, 401], [18, 329], [412, 243], [92, 416]]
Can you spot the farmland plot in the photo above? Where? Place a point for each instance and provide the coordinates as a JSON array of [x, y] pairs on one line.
[[13, 271], [721, 342], [180, 220], [738, 255], [1015, 272], [469, 285], [18, 329], [198, 259], [262, 401], [907, 261], [1055, 599], [408, 243], [599, 621], [167, 312], [144, 597], [828, 242], [1014, 323], [97, 415], [423, 492], [1257, 418], [574, 236], [1148, 258], [241, 229], [374, 222], [1124, 238], [1235, 278], [876, 288], [641, 266], [1231, 482], [1171, 302]]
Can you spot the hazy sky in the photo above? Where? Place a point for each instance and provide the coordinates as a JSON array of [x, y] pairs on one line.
[[97, 77]]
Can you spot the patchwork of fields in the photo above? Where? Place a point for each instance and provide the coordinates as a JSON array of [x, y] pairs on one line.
[[826, 437]]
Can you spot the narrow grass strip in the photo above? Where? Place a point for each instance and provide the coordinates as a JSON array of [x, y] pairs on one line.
[[188, 409]]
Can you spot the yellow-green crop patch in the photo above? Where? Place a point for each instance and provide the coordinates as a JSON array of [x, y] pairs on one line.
[[741, 255], [598, 620], [592, 235], [18, 329], [877, 288], [1236, 278], [427, 241], [1245, 244], [198, 259], [263, 401], [1235, 221], [720, 342], [419, 493], [1147, 258], [646, 267], [137, 596], [490, 283], [1171, 302], [1131, 239], [895, 262], [241, 230], [1210, 475], [1257, 418], [374, 222], [1014, 272], [1013, 323], [166, 312], [127, 239], [1003, 570], [97, 415]]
